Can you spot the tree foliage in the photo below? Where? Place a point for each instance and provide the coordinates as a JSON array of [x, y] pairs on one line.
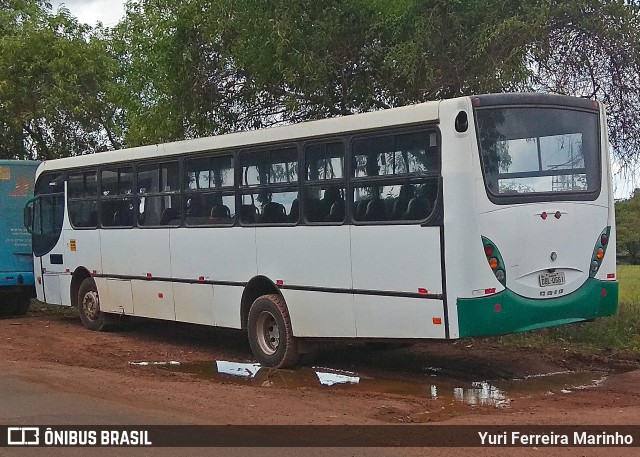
[[53, 74], [592, 48], [173, 70], [628, 227], [175, 82]]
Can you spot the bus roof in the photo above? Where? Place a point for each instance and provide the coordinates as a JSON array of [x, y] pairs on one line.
[[18, 162], [407, 115]]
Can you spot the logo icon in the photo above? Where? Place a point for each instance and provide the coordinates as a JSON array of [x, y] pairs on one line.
[[23, 436]]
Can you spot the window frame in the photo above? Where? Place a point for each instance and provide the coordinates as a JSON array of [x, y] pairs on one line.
[[139, 195], [247, 189], [95, 198], [540, 197], [340, 182], [123, 197], [223, 191], [433, 217]]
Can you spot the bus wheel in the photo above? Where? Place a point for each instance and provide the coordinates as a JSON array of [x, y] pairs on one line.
[[270, 334], [6, 309], [89, 306], [22, 305]]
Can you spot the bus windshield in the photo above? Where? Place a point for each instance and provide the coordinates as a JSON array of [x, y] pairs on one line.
[[534, 153]]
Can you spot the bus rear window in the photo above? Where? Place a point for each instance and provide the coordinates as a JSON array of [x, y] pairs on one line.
[[539, 152]]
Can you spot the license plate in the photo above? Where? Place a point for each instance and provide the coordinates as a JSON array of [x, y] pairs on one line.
[[551, 279]]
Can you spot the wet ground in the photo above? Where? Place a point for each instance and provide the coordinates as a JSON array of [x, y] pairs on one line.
[[213, 379], [435, 384]]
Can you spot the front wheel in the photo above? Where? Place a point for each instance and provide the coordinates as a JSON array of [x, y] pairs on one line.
[[89, 306], [270, 333]]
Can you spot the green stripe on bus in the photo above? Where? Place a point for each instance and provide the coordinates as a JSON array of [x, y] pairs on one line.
[[507, 312]]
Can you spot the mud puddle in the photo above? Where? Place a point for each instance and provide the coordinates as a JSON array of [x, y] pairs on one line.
[[435, 384]]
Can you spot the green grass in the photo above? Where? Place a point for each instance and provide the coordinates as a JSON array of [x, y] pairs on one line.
[[38, 307], [620, 332]]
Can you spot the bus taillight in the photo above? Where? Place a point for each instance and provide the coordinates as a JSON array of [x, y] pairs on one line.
[[599, 251], [495, 260]]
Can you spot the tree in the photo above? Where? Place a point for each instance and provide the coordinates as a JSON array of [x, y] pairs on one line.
[[175, 81], [628, 227], [53, 78], [176, 70], [591, 48], [200, 67]]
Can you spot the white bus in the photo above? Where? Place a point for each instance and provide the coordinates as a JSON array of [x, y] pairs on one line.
[[480, 215]]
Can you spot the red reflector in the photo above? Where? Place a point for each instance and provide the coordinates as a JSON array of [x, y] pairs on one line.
[[603, 292], [611, 275], [160, 295], [201, 278], [67, 270], [543, 215], [497, 308], [149, 275], [490, 291], [279, 282], [437, 321], [488, 250], [423, 291], [558, 214], [95, 272]]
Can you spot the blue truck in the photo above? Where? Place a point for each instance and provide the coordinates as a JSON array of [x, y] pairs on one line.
[[16, 259]]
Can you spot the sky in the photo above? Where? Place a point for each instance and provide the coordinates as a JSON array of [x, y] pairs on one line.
[[109, 12]]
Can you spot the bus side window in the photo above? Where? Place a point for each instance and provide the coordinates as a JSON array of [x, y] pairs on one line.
[[394, 176], [324, 193]]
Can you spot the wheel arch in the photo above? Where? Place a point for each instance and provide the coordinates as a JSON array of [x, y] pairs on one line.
[[79, 275], [256, 287]]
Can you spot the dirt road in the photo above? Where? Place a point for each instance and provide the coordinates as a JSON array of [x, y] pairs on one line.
[[464, 382]]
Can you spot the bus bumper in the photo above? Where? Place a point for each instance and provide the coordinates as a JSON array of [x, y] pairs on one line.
[[22, 279], [506, 312]]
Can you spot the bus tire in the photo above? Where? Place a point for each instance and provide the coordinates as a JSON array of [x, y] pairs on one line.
[[23, 302], [89, 306], [270, 332], [6, 309]]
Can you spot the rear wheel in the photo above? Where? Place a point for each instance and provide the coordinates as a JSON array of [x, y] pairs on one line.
[[270, 333], [89, 306], [7, 308], [23, 302], [15, 303]]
